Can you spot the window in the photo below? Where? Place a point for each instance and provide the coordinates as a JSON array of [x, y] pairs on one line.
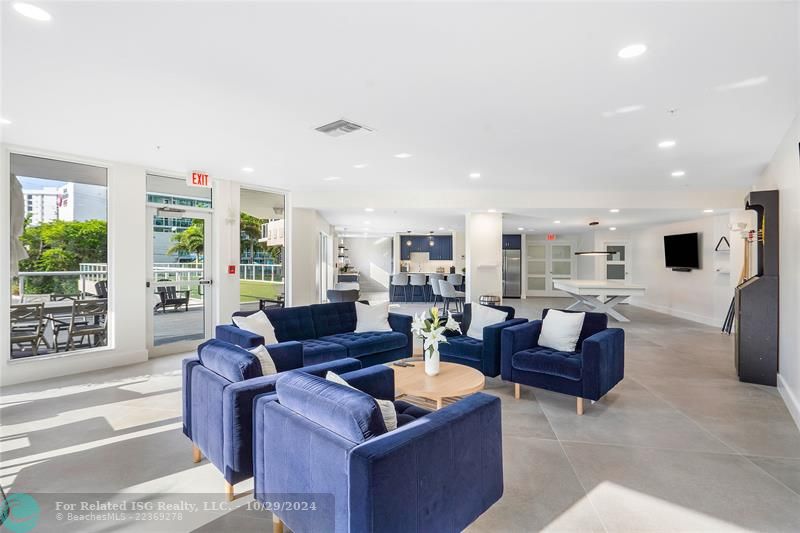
[[262, 248], [59, 256]]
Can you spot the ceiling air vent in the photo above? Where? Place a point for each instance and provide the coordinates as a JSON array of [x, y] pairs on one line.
[[341, 127]]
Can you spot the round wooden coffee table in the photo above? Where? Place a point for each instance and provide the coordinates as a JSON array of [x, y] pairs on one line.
[[452, 381]]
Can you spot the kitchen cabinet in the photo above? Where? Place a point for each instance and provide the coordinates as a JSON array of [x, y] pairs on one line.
[[512, 242], [442, 249]]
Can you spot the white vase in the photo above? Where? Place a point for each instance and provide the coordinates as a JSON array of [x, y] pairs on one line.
[[432, 362]]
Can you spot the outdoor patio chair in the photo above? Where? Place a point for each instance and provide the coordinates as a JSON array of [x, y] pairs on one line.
[[27, 325], [170, 296], [88, 320]]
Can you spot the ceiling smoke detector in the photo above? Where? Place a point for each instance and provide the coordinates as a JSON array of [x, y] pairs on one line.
[[341, 127]]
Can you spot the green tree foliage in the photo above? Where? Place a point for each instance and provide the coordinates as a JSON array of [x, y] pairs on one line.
[[58, 246], [250, 233], [190, 241]]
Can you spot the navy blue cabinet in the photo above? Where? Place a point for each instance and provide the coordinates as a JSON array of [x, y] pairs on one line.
[[512, 242], [441, 250]]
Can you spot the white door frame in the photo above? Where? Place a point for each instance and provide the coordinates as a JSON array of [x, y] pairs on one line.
[[324, 266], [548, 261], [150, 285]]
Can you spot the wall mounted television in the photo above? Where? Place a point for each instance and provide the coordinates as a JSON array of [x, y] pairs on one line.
[[682, 251]]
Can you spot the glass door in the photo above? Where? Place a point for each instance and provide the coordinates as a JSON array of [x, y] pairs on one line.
[[179, 283], [617, 261], [537, 268], [561, 260]]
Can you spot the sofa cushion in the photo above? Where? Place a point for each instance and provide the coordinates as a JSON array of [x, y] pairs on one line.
[[257, 323], [388, 411], [407, 412], [560, 331], [482, 316], [333, 318], [343, 410], [292, 323], [565, 365], [462, 346], [229, 361], [318, 351], [372, 317], [371, 342]]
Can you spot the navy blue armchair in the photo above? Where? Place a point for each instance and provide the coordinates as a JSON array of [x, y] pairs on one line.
[[596, 366], [219, 386], [481, 355], [326, 332], [438, 471]]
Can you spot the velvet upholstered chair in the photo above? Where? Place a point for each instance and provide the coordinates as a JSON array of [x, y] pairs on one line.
[[483, 355], [219, 386], [438, 471], [593, 369]]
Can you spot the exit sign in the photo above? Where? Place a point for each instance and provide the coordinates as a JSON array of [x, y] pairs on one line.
[[551, 236], [198, 179]]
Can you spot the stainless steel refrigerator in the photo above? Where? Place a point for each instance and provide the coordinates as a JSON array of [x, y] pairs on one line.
[[512, 273]]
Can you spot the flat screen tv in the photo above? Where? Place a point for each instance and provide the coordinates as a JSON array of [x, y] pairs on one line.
[[682, 251]]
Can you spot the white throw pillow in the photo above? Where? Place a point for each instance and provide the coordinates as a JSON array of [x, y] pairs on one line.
[[259, 324], [373, 317], [388, 411], [482, 316], [267, 364], [560, 330]]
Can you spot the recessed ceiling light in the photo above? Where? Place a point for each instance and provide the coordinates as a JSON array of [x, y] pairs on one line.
[[669, 143], [556, 222], [622, 110], [441, 229], [493, 210], [331, 178], [402, 155], [678, 174], [247, 169], [743, 84], [632, 50], [613, 210], [4, 121], [360, 165], [612, 228], [367, 222], [475, 175], [708, 210], [369, 209], [32, 12], [520, 229]]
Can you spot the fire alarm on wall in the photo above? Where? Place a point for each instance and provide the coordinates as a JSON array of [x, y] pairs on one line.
[[231, 269]]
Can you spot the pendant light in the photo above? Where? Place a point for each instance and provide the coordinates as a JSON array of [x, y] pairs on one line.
[[595, 253]]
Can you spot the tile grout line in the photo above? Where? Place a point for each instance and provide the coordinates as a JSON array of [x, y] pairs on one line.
[[572, 466], [736, 450]]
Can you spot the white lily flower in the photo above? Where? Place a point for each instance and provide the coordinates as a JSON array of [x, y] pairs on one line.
[[433, 338], [452, 324], [418, 323]]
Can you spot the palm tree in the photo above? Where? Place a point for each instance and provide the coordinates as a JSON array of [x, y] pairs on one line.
[[250, 232], [190, 241]]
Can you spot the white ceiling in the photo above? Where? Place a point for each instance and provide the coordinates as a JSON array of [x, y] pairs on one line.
[[357, 222], [514, 91]]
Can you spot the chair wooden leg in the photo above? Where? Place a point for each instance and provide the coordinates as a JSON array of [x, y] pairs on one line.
[[580, 405], [196, 455], [277, 524], [229, 491], [516, 391]]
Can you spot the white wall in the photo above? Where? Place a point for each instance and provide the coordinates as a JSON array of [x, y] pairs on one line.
[[484, 249], [225, 242], [459, 251], [702, 295], [306, 225], [127, 294], [783, 173], [372, 256]]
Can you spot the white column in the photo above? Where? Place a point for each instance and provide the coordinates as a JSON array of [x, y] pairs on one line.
[[225, 250], [458, 251], [484, 251]]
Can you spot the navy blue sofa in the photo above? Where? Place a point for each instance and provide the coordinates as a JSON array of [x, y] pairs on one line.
[[326, 333], [436, 472], [219, 386], [593, 369], [481, 355]]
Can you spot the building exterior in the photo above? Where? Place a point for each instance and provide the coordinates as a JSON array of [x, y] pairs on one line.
[[68, 202]]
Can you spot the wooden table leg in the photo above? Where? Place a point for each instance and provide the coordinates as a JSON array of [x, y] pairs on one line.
[[438, 403]]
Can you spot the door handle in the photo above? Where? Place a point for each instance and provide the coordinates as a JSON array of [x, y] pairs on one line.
[[205, 282]]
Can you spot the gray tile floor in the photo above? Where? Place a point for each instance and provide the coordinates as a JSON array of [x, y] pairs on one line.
[[679, 445]]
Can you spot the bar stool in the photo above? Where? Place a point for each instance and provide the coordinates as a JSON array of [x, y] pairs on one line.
[[400, 280], [418, 280], [449, 293], [456, 280], [434, 284]]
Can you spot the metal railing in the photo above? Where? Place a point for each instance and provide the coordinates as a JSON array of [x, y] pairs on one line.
[[83, 276], [259, 272]]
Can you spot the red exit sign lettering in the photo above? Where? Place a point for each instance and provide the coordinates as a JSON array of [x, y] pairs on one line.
[[199, 179]]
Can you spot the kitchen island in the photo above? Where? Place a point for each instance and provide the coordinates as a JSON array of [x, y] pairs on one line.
[[396, 294]]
